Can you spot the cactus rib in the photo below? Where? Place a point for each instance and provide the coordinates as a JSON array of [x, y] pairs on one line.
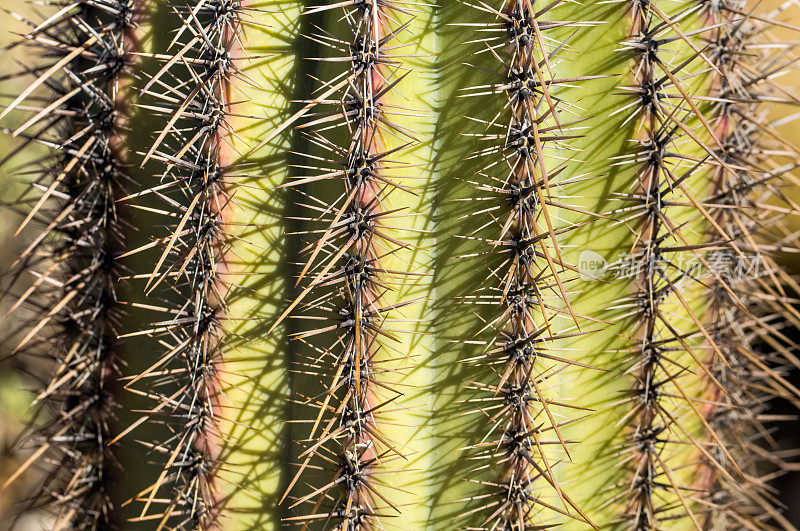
[[345, 281], [524, 176], [192, 93], [74, 107]]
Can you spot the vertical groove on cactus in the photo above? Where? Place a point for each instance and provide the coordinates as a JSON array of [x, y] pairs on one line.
[[73, 107], [523, 180], [192, 94], [255, 385], [345, 283]]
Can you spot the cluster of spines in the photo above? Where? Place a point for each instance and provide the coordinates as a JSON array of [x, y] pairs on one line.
[[748, 309], [72, 107], [191, 91], [663, 112], [345, 282], [681, 146], [527, 278]]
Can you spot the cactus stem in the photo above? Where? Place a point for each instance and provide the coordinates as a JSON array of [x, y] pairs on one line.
[[528, 280], [346, 284]]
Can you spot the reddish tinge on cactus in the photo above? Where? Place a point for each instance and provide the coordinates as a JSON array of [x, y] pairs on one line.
[[350, 265]]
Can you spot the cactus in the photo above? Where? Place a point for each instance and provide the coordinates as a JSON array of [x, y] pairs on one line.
[[346, 265]]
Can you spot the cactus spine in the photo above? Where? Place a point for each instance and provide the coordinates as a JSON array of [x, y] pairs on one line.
[[74, 106]]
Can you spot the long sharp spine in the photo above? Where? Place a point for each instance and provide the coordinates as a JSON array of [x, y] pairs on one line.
[[345, 284], [74, 107]]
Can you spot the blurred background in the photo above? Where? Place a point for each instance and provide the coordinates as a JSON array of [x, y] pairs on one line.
[[15, 386]]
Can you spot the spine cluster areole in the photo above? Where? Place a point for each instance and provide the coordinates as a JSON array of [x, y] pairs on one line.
[[73, 105], [347, 292]]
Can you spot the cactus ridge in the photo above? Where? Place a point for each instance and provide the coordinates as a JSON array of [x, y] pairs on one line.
[[742, 384], [682, 149], [71, 106], [523, 187], [667, 132], [186, 287], [742, 318], [346, 279]]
